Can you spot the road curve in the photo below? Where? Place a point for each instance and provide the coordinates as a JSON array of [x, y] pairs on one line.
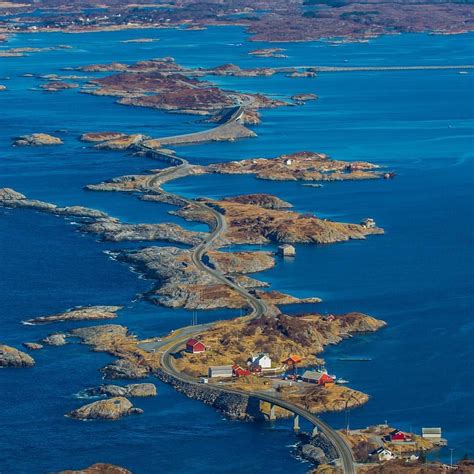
[[258, 307]]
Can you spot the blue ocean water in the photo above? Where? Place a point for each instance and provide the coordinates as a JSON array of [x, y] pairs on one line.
[[418, 276]]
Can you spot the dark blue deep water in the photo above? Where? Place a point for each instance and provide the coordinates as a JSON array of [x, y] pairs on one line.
[[418, 276]]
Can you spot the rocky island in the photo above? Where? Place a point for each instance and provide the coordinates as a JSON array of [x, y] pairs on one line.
[[86, 313], [37, 139], [111, 409], [13, 358], [299, 166]]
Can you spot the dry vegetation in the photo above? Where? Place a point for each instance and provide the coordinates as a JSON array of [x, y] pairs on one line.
[[236, 340]]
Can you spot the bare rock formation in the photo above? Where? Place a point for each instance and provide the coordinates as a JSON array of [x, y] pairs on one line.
[[11, 357], [111, 409], [37, 139], [83, 313]]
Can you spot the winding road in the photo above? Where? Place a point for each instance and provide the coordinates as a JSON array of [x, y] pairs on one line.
[[258, 307]]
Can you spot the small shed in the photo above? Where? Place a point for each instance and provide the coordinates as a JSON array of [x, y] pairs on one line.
[[431, 433], [263, 360], [220, 371], [286, 250], [195, 347]]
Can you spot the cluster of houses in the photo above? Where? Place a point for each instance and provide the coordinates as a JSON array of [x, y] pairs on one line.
[[399, 437], [256, 364]]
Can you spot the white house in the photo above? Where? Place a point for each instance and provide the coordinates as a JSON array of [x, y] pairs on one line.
[[263, 360], [382, 454]]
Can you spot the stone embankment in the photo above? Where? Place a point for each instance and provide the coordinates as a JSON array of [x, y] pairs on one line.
[[236, 406]]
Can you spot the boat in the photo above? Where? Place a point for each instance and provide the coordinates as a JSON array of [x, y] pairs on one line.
[[341, 381], [312, 185]]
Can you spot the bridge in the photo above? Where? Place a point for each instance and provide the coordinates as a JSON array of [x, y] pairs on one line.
[[433, 67]]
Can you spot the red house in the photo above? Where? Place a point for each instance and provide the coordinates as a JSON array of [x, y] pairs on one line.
[[292, 360], [397, 435], [195, 347], [239, 372], [324, 379]]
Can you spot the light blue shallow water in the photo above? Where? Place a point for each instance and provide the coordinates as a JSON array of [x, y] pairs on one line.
[[418, 277]]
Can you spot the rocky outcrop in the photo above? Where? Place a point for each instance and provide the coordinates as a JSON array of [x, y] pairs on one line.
[[101, 136], [55, 86], [99, 468], [14, 199], [301, 99], [132, 390], [267, 201], [37, 139], [84, 313], [111, 409], [125, 369], [181, 283], [11, 357], [33, 346], [316, 449], [114, 231], [268, 53], [241, 262], [58, 339], [97, 222]]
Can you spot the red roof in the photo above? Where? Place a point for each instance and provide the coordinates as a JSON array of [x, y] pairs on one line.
[[194, 345], [294, 359], [239, 371], [398, 435], [325, 378]]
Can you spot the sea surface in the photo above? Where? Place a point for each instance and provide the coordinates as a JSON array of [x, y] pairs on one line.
[[418, 277]]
